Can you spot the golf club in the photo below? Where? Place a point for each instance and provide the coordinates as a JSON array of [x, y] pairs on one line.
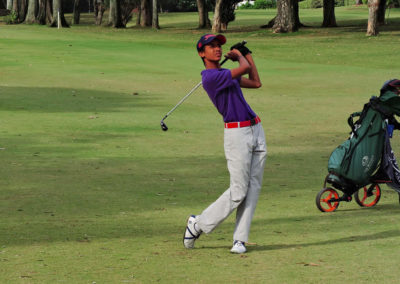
[[162, 123]]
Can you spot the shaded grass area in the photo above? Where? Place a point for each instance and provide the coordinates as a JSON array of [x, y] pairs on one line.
[[93, 191]]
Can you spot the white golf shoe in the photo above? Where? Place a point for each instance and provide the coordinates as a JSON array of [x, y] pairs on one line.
[[238, 247], [192, 232]]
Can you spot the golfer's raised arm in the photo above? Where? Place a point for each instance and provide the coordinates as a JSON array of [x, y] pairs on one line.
[[244, 66], [254, 79]]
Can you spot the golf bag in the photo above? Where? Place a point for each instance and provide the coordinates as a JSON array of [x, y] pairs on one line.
[[367, 154]]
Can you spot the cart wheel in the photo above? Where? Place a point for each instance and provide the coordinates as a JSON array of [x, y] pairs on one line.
[[327, 200], [368, 198]]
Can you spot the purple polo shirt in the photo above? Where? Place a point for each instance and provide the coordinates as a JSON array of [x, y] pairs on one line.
[[226, 95]]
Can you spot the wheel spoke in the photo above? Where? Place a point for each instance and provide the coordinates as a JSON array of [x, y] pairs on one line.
[[327, 200], [368, 197], [365, 195]]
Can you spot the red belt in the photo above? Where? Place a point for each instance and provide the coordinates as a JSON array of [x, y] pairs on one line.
[[241, 124]]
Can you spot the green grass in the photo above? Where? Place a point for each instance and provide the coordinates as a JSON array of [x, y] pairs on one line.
[[93, 191]]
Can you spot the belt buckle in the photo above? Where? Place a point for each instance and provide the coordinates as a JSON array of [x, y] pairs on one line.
[[253, 121]]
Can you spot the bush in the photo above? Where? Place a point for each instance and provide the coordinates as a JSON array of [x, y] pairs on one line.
[[339, 3], [12, 18], [259, 4], [246, 6], [308, 4], [316, 4]]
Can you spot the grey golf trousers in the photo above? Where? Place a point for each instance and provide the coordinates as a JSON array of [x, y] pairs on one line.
[[245, 152]]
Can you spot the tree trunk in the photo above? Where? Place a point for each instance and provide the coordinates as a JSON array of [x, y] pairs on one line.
[[111, 13], [372, 29], [359, 2], [22, 11], [15, 8], [115, 18], [155, 24], [58, 15], [285, 19], [216, 27], [224, 27], [204, 21], [381, 12], [49, 11], [99, 9], [139, 14], [329, 14], [270, 24], [32, 11], [146, 13], [296, 14], [298, 24], [41, 16], [9, 5], [77, 12]]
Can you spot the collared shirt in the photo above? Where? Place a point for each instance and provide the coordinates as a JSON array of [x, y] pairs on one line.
[[226, 95]]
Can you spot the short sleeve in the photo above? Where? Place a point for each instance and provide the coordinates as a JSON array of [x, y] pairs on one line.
[[223, 79]]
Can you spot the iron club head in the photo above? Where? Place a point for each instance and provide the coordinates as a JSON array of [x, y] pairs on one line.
[[163, 126]]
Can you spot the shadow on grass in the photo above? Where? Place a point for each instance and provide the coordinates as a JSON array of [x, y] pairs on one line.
[[67, 200], [51, 100], [357, 238]]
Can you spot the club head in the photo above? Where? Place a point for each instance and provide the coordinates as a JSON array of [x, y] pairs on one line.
[[163, 126]]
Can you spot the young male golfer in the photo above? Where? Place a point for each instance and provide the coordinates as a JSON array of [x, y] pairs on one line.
[[244, 141]]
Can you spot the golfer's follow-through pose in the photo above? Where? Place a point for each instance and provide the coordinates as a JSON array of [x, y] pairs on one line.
[[244, 141]]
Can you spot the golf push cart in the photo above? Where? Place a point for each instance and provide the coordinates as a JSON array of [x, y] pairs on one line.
[[366, 159]]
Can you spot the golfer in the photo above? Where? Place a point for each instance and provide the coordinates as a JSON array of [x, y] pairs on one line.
[[244, 141]]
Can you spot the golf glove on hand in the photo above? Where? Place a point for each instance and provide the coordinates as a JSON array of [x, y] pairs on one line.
[[242, 48]]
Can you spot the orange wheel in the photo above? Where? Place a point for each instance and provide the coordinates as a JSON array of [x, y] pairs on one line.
[[368, 196], [327, 200]]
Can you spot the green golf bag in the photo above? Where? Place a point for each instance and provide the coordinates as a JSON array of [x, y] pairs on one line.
[[353, 163]]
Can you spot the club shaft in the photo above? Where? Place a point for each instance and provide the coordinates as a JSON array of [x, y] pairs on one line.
[[185, 97]]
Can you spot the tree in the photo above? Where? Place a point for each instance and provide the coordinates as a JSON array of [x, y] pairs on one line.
[[127, 7], [155, 24], [329, 14], [111, 13], [58, 15], [49, 11], [285, 20], [204, 21], [146, 13], [15, 8], [372, 29], [22, 10], [228, 13], [41, 15], [216, 27], [77, 12], [32, 11], [99, 9], [115, 18], [381, 12], [298, 24]]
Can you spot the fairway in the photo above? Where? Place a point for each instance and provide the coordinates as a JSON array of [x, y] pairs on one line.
[[92, 191]]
